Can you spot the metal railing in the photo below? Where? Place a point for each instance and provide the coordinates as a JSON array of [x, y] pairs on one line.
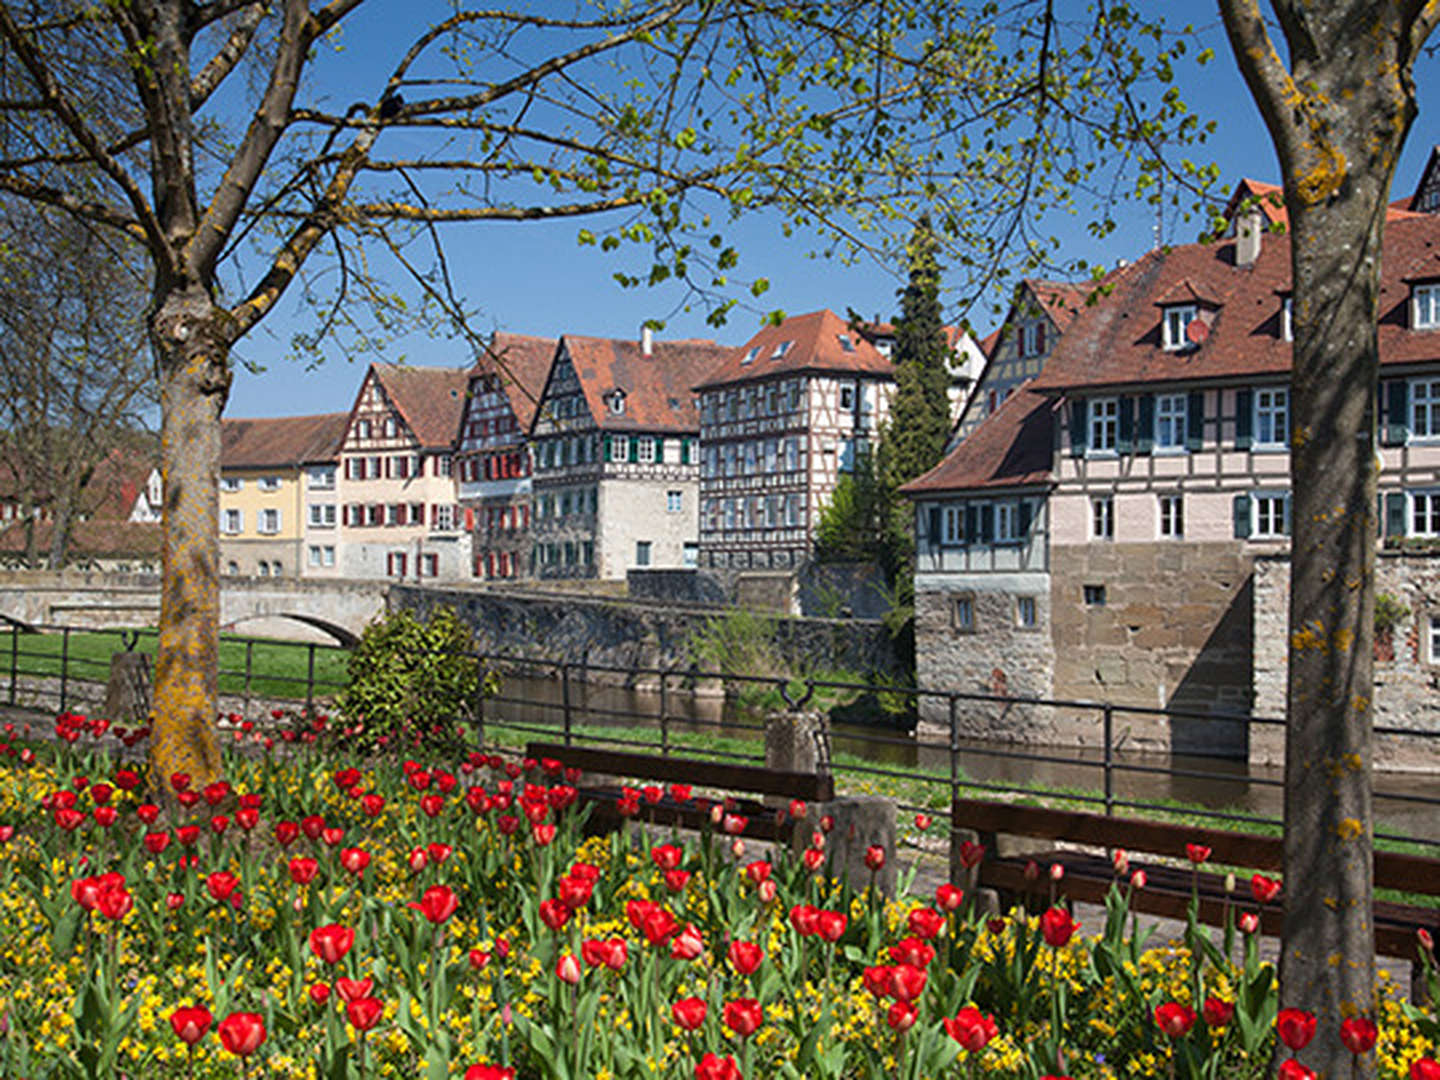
[[1108, 757]]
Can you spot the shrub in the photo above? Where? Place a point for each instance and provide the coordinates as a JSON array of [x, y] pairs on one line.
[[412, 680]]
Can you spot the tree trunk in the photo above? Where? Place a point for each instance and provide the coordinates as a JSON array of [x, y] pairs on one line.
[[1327, 965], [193, 359]]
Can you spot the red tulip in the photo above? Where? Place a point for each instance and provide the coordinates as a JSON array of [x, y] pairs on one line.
[[286, 832], [830, 925], [437, 903], [1290, 1069], [331, 943], [971, 853], [711, 1067], [188, 834], [666, 856], [247, 817], [567, 968], [575, 892], [149, 813], [190, 1022], [221, 884], [676, 880], [925, 922], [365, 1012], [127, 779], [1296, 1028], [1358, 1034], [332, 835], [923, 821], [179, 781], [303, 870], [758, 871], [1264, 889], [353, 989], [489, 1072], [105, 816], [312, 826], [554, 913], [949, 898], [657, 925], [1218, 1012], [156, 842], [438, 852], [319, 993], [743, 1016], [242, 1033], [355, 860], [877, 979], [972, 1029], [1174, 1019], [543, 835], [875, 858], [913, 951], [1248, 922], [687, 944], [114, 900], [745, 956], [805, 918], [1425, 1069], [907, 982], [1057, 927], [812, 858], [689, 1012], [1197, 853]]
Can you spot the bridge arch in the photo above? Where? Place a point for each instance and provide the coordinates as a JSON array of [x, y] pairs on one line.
[[19, 624], [343, 637]]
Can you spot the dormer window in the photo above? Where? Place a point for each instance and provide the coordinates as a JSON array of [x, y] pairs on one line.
[[1287, 318], [617, 402], [1425, 306], [1178, 318], [1032, 339], [781, 350], [749, 357], [845, 343]]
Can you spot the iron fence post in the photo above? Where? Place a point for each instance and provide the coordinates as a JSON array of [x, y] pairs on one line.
[[14, 660], [249, 669], [1108, 726], [565, 700], [310, 678], [64, 668], [480, 701], [954, 752], [664, 716]]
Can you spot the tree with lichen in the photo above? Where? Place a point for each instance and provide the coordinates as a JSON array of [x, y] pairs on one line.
[[1338, 110]]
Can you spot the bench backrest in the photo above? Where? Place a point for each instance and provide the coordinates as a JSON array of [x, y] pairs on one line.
[[726, 776], [1412, 873]]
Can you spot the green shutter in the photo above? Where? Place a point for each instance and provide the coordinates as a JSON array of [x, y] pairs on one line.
[[684, 451], [1145, 428], [1394, 513], [1244, 419], [1195, 421], [634, 448], [1241, 513], [1079, 430], [1397, 419], [1125, 439], [606, 444]]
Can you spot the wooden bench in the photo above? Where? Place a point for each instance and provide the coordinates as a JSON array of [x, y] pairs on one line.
[[1167, 892], [730, 779]]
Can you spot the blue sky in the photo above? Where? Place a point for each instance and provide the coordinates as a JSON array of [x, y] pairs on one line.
[[534, 278]]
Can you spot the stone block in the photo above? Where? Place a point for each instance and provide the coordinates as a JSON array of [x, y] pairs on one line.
[[861, 822], [127, 691]]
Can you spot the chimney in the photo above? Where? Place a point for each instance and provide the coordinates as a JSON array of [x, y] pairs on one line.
[[1249, 231], [647, 341]]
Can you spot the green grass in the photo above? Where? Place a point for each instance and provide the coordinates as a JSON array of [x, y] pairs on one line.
[[279, 669]]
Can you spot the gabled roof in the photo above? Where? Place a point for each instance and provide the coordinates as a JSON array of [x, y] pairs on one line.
[[94, 539], [817, 342], [522, 363], [1270, 201], [1412, 201], [1061, 300], [1186, 291], [1117, 341], [1012, 447], [279, 441], [430, 399], [657, 388]]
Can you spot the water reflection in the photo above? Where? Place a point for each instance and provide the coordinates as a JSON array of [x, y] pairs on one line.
[[1217, 783]]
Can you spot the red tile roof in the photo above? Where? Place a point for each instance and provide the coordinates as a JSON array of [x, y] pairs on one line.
[[1061, 300], [279, 441], [815, 345], [430, 399], [523, 363], [658, 394], [1010, 448], [1270, 201], [1117, 341], [91, 539]]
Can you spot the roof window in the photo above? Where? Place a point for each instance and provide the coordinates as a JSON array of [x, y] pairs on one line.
[[845, 342], [781, 350], [749, 357]]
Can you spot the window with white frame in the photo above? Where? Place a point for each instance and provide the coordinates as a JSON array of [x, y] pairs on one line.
[[322, 477], [642, 552], [1178, 318], [269, 522], [444, 466], [1287, 319], [645, 451], [794, 508], [363, 429], [1104, 424], [1425, 408], [1007, 522], [847, 397], [619, 448], [443, 517], [322, 515], [1272, 410], [269, 483], [315, 555], [1425, 305], [231, 483], [327, 554], [792, 454], [1171, 411], [952, 525], [1425, 513], [232, 522], [1172, 517], [962, 613], [1272, 514], [1102, 518], [1032, 339], [390, 427]]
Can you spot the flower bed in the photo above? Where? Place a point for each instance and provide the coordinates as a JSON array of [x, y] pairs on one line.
[[316, 917]]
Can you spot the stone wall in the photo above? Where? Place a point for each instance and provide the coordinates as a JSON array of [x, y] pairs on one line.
[[1173, 632], [997, 656], [608, 633], [687, 587], [851, 590], [1406, 694]]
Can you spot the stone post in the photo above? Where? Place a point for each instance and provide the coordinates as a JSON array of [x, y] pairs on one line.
[[127, 692], [797, 742], [861, 822]]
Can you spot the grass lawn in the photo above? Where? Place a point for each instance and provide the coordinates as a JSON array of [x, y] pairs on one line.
[[279, 669]]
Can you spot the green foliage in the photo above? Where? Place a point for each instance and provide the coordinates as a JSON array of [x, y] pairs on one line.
[[850, 527], [412, 681], [1390, 612], [740, 642]]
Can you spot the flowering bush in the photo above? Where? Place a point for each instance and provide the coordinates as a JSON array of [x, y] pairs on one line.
[[306, 917]]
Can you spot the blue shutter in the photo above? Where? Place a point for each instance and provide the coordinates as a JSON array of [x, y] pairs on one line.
[[1145, 428], [934, 526], [1079, 428], [1023, 518], [1241, 514], [1397, 409], [987, 523], [972, 523], [1244, 419]]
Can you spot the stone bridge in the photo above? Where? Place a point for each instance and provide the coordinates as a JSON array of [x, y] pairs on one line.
[[307, 609]]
